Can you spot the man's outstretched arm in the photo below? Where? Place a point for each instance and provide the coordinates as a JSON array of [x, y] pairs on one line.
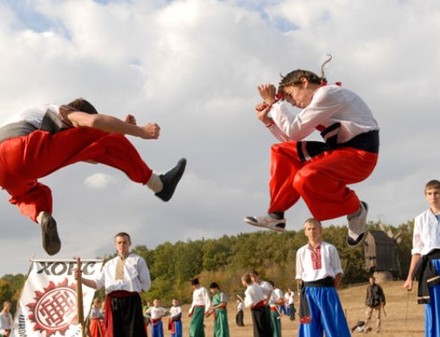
[[112, 124]]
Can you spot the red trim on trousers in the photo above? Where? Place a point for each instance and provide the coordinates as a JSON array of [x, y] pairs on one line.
[[108, 313]]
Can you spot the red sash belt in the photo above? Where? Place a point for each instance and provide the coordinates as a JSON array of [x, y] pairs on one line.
[[170, 325], [155, 321], [259, 304]]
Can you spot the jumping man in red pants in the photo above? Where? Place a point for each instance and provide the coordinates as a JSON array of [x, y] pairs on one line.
[[41, 140], [318, 172]]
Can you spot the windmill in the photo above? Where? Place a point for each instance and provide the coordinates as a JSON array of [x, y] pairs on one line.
[[380, 253]]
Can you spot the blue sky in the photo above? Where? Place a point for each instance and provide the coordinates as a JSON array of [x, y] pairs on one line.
[[193, 67], [28, 17]]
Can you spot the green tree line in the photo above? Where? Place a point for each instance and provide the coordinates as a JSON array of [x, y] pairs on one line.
[[224, 260]]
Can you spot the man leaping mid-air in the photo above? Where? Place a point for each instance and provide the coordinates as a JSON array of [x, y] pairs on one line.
[[43, 139], [318, 172]]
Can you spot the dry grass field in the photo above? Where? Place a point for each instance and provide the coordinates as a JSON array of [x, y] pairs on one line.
[[404, 317]]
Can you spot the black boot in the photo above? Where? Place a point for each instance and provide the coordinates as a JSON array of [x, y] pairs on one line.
[[170, 180], [51, 240]]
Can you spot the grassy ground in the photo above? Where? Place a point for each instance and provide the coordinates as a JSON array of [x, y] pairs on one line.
[[404, 317]]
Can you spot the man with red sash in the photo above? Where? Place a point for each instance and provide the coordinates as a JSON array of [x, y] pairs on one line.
[[175, 319], [200, 305], [123, 278], [219, 311], [257, 302], [156, 313]]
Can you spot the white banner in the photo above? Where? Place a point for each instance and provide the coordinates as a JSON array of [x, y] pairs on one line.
[[48, 303]]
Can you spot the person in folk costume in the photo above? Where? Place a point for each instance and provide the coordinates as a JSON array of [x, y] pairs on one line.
[[6, 320], [256, 301], [289, 298], [291, 304], [283, 306], [266, 287], [375, 301], [319, 273], [43, 139], [425, 259], [156, 313], [276, 299], [96, 327], [175, 319], [317, 172], [123, 278], [239, 315], [201, 303], [219, 310], [145, 306]]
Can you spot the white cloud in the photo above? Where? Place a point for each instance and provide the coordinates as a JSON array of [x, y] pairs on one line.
[[99, 180], [193, 66]]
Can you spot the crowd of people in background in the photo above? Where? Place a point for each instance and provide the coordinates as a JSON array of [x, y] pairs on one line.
[[124, 277], [160, 321]]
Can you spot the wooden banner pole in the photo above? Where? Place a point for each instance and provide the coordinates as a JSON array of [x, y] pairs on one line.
[[79, 298]]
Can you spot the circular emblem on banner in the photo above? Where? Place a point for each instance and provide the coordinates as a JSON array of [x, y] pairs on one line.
[[54, 309]]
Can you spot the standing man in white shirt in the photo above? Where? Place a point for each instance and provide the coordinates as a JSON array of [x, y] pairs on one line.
[[257, 302], [290, 302], [123, 277], [266, 287], [319, 273], [425, 258], [200, 305]]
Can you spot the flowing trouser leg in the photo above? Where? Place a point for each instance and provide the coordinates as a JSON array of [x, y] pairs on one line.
[[26, 159], [285, 163], [322, 183]]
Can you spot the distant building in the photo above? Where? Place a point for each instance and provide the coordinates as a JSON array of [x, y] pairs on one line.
[[380, 254]]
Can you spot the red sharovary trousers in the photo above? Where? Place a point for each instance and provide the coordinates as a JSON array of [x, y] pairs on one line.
[[23, 160], [321, 181]]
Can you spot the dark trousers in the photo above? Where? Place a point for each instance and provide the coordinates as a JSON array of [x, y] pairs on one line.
[[128, 320], [261, 320], [239, 318]]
